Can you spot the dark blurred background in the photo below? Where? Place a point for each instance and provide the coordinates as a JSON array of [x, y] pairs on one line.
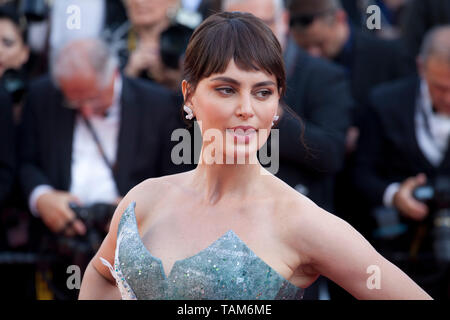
[[90, 92]]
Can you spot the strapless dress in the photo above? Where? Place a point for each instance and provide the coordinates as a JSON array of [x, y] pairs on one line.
[[226, 270]]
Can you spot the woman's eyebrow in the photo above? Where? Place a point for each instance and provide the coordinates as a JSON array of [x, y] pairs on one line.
[[231, 80]]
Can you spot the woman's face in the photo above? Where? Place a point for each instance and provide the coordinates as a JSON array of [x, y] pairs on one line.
[[13, 52], [223, 102], [148, 12]]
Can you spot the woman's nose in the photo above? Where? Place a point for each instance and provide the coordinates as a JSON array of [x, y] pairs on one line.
[[245, 109]]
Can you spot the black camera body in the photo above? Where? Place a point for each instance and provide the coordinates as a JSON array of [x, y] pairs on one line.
[[58, 251], [174, 40], [437, 197], [95, 216], [173, 44], [78, 249], [35, 10], [15, 83]]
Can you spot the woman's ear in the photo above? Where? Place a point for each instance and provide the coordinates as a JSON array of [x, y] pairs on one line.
[[184, 89], [187, 93], [420, 66]]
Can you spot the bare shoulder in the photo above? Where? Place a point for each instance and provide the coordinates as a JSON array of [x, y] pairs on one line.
[[311, 221], [146, 195], [304, 224], [290, 203], [150, 193], [330, 246]]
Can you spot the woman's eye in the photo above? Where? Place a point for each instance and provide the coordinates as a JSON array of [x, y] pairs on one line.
[[8, 42], [264, 93], [225, 91]]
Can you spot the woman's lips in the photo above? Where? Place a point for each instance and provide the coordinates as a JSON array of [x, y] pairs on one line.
[[242, 134]]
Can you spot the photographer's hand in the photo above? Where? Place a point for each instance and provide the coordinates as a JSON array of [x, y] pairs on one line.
[[351, 140], [54, 210], [141, 59], [405, 202]]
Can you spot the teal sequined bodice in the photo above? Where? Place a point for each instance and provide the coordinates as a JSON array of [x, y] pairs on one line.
[[226, 270]]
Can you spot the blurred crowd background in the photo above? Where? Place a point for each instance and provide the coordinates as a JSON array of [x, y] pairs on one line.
[[90, 94]]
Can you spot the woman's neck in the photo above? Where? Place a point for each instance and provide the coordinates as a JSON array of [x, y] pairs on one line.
[[227, 182]]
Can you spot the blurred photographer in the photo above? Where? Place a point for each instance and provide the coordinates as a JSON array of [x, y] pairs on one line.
[[87, 138], [7, 145], [160, 31], [14, 54], [404, 147]]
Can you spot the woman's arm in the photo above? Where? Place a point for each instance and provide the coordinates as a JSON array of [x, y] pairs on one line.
[[95, 286], [340, 253], [98, 282]]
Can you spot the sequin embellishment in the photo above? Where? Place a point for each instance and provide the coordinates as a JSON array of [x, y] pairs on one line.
[[226, 270]]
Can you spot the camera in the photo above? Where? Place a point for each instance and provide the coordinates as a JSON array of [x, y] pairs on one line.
[[80, 249], [34, 10], [437, 197], [15, 83], [57, 251], [174, 40]]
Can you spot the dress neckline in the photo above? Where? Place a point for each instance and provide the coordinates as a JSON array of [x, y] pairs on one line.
[[131, 207]]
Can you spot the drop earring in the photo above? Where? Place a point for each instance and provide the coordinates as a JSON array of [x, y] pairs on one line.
[[275, 118], [189, 112]]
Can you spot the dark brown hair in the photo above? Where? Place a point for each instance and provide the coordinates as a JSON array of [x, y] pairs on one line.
[[239, 36], [233, 35]]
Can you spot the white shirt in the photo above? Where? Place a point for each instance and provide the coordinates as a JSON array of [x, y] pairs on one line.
[[433, 141], [191, 5], [432, 138], [91, 179]]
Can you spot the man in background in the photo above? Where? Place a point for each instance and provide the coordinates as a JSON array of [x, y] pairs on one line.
[[403, 147], [89, 136], [7, 147], [322, 27]]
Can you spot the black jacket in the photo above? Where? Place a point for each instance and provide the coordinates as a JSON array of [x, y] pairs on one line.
[[388, 150], [373, 61], [147, 120], [420, 17], [318, 91], [7, 151]]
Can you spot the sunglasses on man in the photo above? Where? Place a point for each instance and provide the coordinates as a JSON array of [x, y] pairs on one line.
[[305, 20]]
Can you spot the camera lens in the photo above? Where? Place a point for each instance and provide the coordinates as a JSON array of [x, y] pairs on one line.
[[441, 233]]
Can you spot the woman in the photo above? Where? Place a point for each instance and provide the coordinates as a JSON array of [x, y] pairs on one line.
[[14, 54], [149, 19], [233, 231]]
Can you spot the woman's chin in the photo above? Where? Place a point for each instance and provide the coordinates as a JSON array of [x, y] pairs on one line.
[[241, 155]]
